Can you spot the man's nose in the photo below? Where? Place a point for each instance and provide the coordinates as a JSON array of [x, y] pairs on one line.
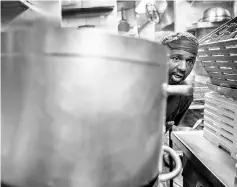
[[182, 65]]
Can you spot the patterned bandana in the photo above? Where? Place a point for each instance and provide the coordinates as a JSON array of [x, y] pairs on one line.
[[181, 41]]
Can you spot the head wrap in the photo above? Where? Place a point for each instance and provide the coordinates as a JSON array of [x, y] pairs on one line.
[[181, 41]]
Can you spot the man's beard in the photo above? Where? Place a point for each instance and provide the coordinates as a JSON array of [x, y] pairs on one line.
[[174, 82], [171, 82]]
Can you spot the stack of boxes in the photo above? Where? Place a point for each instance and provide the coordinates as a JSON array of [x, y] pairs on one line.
[[220, 122], [219, 58], [199, 92]]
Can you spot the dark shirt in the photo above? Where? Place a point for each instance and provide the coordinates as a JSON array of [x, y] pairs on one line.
[[177, 106]]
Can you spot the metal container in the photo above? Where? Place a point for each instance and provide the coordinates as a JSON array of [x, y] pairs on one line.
[[216, 14], [80, 108]]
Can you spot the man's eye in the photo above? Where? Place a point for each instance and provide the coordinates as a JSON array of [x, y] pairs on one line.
[[190, 61], [176, 58]]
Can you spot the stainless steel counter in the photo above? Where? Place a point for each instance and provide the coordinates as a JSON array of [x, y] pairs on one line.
[[213, 163]]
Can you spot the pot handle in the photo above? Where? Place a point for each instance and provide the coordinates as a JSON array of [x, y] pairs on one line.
[[178, 165]]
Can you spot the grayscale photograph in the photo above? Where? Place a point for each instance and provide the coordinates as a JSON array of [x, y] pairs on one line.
[[118, 93]]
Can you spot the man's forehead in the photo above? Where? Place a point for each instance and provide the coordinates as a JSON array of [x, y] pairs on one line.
[[182, 53]]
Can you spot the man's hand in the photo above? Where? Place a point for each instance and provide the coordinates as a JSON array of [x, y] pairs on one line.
[[180, 89]]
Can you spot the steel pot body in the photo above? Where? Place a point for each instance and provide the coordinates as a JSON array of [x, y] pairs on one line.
[[80, 108]]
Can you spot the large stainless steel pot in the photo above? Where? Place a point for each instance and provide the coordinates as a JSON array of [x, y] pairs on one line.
[[80, 108]]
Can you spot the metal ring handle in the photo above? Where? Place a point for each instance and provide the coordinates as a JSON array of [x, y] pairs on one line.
[[178, 165]]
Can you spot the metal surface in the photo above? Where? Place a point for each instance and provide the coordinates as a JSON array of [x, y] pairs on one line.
[[215, 14], [178, 165], [213, 163], [80, 108]]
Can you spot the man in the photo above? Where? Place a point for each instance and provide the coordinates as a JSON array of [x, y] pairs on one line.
[[183, 48]]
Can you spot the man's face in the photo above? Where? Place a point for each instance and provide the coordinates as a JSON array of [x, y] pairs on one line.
[[180, 65]]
